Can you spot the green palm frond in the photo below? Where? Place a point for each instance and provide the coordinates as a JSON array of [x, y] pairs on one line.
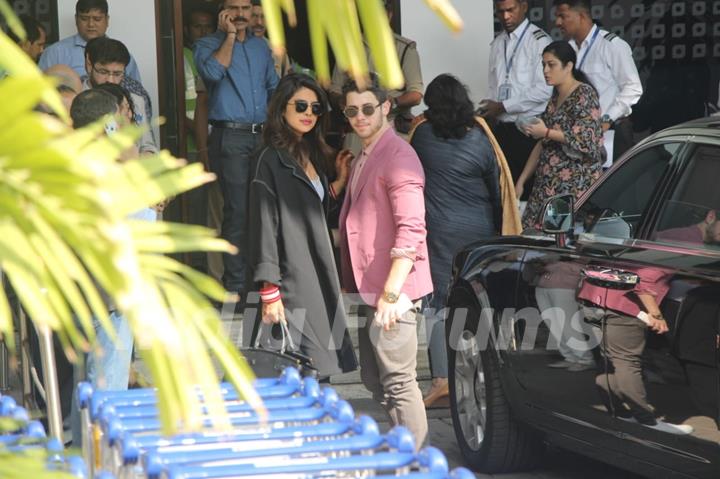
[[65, 236], [337, 22]]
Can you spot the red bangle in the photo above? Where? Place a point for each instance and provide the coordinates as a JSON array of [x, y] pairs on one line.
[[271, 294]]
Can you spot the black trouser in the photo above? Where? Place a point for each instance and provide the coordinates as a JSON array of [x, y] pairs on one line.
[[622, 388], [624, 139], [229, 151], [517, 148]]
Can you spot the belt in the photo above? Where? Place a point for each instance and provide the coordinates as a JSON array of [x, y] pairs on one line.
[[254, 128]]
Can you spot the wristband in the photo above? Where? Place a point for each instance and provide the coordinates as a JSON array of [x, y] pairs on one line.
[[271, 294]]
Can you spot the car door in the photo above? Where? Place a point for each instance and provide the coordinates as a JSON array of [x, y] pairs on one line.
[[556, 349], [680, 368]]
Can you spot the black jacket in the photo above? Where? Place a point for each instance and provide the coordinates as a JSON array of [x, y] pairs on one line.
[[288, 244]]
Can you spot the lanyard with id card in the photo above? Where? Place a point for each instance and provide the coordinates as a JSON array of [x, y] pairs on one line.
[[505, 89]]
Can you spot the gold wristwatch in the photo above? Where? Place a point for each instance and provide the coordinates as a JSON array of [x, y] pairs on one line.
[[390, 297]]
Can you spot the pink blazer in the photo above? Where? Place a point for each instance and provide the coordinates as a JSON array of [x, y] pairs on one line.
[[653, 281], [386, 210]]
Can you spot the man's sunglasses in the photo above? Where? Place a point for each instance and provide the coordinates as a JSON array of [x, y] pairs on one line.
[[367, 109], [301, 106]]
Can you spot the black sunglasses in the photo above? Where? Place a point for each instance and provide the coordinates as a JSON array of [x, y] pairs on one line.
[[301, 106], [367, 110]]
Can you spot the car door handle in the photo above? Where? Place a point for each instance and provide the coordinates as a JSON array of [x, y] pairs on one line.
[[610, 278]]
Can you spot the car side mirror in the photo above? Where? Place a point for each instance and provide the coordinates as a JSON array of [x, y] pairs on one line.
[[558, 214]]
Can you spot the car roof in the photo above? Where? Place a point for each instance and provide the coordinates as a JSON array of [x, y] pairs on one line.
[[708, 126]]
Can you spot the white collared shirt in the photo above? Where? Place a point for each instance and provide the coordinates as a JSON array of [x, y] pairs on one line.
[[611, 69], [529, 93]]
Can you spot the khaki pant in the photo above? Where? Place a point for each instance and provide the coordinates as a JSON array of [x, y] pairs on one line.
[[388, 362]]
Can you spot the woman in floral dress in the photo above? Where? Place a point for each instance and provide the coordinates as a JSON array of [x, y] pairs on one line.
[[569, 156]]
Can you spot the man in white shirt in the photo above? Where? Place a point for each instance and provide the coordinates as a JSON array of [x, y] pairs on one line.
[[516, 86], [607, 61]]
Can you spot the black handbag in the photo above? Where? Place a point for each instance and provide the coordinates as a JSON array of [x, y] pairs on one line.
[[268, 363]]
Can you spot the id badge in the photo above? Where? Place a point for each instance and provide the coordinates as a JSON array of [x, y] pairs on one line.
[[504, 92]]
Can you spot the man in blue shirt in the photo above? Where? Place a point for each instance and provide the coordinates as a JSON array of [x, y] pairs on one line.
[[91, 20], [239, 73]]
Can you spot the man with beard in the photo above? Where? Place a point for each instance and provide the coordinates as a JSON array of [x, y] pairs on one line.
[[238, 70], [106, 61]]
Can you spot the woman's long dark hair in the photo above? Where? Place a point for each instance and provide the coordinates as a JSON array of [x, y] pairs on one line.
[[450, 111], [565, 53], [278, 134]]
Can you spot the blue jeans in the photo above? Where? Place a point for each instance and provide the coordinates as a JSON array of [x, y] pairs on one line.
[[107, 366], [229, 151]]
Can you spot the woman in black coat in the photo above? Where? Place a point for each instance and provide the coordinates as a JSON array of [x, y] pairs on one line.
[[289, 249]]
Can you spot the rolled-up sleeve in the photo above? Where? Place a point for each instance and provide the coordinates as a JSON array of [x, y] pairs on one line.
[[653, 281], [405, 182], [208, 67]]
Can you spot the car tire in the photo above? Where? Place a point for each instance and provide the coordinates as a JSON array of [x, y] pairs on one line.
[[490, 439]]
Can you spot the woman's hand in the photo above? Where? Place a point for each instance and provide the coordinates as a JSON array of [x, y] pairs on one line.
[[342, 165], [536, 130], [273, 312]]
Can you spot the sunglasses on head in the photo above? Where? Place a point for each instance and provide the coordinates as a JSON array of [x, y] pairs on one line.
[[367, 109], [301, 106]]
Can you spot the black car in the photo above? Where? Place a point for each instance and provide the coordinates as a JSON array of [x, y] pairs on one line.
[[528, 328]]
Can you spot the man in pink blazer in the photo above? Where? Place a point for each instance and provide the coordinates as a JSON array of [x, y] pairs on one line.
[[384, 255]]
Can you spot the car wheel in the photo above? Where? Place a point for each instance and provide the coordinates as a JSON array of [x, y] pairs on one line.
[[490, 439]]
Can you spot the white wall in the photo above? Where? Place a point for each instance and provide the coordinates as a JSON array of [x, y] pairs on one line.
[[465, 55], [133, 23]]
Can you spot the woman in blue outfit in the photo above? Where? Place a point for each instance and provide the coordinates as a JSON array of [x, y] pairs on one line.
[[462, 199]]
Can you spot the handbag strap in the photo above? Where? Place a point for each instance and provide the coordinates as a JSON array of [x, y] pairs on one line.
[[287, 341]]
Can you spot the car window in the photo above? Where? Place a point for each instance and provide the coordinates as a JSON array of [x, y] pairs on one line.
[[615, 209], [690, 215]]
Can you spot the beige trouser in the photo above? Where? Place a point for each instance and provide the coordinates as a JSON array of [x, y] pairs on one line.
[[388, 362], [215, 216]]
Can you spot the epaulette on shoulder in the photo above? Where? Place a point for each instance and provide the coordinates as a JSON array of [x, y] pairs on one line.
[[539, 34], [610, 36], [404, 41]]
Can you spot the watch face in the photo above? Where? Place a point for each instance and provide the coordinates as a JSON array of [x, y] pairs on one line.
[[391, 297]]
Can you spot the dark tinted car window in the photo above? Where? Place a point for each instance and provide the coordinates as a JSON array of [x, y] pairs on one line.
[[690, 215], [616, 207]]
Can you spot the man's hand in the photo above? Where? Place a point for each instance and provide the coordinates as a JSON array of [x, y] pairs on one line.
[[492, 109], [273, 312], [225, 21], [658, 325], [388, 314]]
